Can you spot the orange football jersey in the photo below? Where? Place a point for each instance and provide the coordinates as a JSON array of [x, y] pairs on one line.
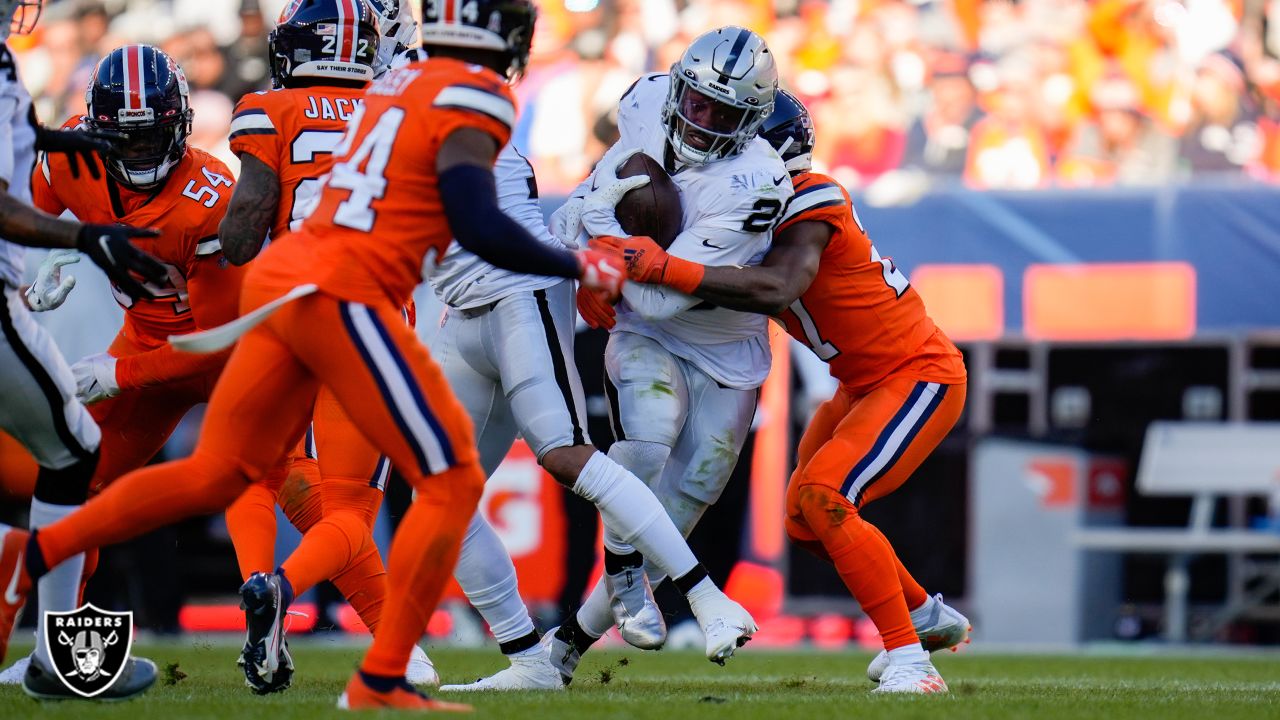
[[379, 213], [186, 210], [861, 315], [293, 132]]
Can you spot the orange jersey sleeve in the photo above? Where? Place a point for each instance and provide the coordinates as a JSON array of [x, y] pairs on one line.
[[861, 314], [294, 131], [380, 210]]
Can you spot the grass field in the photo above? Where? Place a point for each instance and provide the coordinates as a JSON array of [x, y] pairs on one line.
[[757, 685]]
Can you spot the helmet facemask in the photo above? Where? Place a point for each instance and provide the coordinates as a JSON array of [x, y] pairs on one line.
[[704, 126], [149, 153], [22, 16]]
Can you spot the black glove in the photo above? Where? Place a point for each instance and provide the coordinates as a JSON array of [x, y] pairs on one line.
[[79, 145], [108, 246]]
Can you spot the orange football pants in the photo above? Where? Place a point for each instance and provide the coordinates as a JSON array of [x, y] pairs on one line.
[[385, 379], [858, 448], [334, 475]]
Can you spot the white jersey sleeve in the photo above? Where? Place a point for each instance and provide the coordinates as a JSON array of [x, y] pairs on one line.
[[462, 280], [17, 155]]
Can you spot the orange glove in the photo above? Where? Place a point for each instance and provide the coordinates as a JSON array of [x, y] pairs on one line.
[[595, 311], [601, 270], [648, 263]]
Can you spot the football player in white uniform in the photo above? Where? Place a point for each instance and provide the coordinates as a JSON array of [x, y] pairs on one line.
[[506, 347], [38, 404], [682, 376], [682, 381]]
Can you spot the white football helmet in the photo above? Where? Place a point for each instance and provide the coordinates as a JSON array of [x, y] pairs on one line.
[[20, 17], [722, 89], [398, 28]]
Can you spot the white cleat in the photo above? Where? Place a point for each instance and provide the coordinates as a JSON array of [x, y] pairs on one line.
[[635, 611], [918, 678], [563, 655], [14, 673], [945, 629], [533, 671], [726, 625], [421, 671]]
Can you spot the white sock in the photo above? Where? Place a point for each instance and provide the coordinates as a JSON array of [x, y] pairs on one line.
[[645, 460], [922, 614], [488, 578], [632, 511], [704, 590], [908, 655], [595, 617], [60, 587]]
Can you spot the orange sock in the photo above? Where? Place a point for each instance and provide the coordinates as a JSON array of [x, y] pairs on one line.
[[421, 562], [912, 591], [363, 582], [326, 548], [251, 522], [144, 500], [865, 562]]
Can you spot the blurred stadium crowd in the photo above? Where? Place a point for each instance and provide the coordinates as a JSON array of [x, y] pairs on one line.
[[906, 94]]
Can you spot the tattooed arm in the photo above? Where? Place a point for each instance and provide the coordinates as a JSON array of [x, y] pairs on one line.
[[253, 209]]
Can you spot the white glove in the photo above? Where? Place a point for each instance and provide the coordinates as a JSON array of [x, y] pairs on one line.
[[598, 207], [50, 289], [95, 378], [566, 222]]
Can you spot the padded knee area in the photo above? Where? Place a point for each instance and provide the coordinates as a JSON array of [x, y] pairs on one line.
[[822, 508], [645, 459]]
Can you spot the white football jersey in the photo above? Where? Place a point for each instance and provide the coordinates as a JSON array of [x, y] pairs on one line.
[[17, 155], [462, 280], [730, 208]]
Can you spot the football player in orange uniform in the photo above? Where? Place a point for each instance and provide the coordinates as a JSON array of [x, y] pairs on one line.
[[140, 388], [322, 307], [902, 387], [285, 139]]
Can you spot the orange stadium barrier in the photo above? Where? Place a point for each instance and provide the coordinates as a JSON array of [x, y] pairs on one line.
[[1109, 301], [966, 301]]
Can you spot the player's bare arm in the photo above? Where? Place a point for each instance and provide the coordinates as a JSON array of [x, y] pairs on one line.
[[768, 288], [252, 210], [107, 245], [25, 225]]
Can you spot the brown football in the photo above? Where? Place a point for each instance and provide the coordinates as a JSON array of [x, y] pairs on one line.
[[654, 209]]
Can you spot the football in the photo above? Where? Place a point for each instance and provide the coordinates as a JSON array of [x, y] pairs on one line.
[[653, 210]]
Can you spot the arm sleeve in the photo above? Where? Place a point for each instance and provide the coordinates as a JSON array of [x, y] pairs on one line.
[[214, 292], [479, 225], [656, 302]]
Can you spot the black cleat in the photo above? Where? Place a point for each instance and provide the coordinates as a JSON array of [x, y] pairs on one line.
[[135, 677], [267, 664]]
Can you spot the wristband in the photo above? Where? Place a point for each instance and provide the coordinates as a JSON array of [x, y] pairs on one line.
[[683, 275]]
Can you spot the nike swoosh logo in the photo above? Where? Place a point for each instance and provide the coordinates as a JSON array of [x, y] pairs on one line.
[[778, 180], [11, 596], [707, 243]]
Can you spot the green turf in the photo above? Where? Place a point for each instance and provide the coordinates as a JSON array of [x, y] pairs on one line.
[[757, 685]]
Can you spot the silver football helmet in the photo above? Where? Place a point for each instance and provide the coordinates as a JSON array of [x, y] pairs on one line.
[[20, 17], [722, 89]]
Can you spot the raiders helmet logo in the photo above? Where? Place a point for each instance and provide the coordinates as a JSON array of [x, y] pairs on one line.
[[88, 646]]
